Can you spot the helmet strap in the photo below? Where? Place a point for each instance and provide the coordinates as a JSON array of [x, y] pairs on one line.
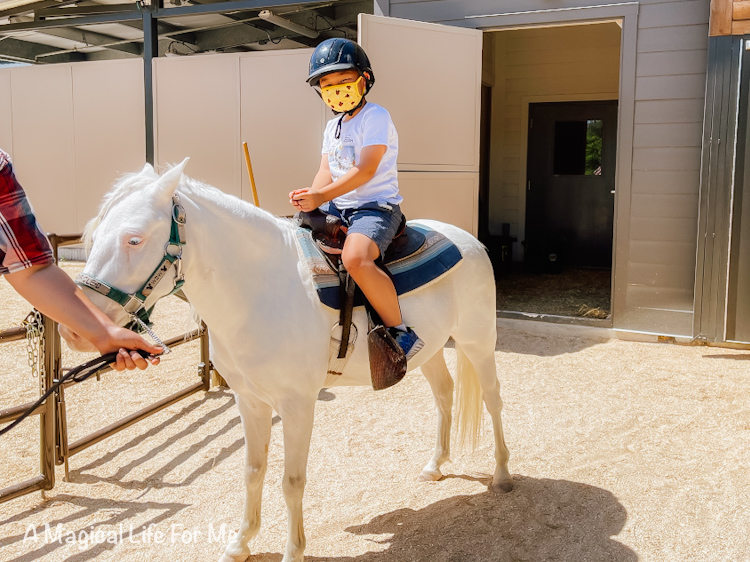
[[337, 134]]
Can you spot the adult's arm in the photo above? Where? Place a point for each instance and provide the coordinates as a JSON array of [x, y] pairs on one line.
[[49, 289]]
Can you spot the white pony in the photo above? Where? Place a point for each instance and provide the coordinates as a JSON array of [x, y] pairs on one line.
[[270, 333]]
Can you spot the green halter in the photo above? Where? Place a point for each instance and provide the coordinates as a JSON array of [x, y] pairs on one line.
[[135, 303]]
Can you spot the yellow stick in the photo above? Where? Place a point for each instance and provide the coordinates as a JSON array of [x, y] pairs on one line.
[[250, 173]]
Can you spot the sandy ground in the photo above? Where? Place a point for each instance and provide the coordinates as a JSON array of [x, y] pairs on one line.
[[620, 451]]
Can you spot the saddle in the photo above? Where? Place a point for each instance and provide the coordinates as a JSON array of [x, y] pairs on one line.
[[387, 359], [329, 234]]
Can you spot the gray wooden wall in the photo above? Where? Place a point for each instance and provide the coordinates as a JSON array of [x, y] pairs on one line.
[[655, 263]]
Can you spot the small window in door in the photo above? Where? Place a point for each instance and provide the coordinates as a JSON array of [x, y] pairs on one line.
[[578, 148]]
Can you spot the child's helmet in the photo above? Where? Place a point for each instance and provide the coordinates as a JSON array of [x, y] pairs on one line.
[[337, 54]]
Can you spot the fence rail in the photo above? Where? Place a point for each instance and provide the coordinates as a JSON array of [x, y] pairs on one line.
[[53, 434]]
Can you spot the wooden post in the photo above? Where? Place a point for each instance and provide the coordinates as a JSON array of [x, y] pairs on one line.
[[250, 173], [721, 18], [740, 17]]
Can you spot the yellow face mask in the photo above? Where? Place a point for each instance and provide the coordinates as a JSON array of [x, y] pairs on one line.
[[342, 97]]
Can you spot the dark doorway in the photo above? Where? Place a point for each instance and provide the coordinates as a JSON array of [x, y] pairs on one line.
[[570, 187], [569, 213]]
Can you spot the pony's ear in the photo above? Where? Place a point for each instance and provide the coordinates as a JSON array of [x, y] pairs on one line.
[[147, 169], [167, 183]]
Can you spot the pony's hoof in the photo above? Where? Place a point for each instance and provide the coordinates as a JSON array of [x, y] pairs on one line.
[[502, 487], [430, 476]]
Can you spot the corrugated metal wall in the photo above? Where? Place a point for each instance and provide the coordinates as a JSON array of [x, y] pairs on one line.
[[723, 269], [655, 269]]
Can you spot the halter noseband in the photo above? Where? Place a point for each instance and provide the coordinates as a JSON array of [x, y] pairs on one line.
[[135, 303]]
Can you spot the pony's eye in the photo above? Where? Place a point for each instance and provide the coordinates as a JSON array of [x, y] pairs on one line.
[[134, 241]]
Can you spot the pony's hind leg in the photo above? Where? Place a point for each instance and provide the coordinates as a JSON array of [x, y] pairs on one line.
[[480, 353], [436, 372], [256, 424]]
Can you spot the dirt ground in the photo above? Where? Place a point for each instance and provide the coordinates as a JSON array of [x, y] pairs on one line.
[[620, 451], [572, 292]]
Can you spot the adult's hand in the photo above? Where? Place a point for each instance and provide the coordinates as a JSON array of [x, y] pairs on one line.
[[53, 293]]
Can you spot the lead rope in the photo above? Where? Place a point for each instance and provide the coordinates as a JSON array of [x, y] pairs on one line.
[[150, 332]]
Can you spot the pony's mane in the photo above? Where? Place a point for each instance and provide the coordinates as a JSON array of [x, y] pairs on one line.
[[124, 186], [133, 182]]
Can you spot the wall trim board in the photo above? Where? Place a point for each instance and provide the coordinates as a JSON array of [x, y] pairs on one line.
[[557, 16]]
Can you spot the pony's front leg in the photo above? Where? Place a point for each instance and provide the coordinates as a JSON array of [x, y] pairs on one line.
[[436, 372], [297, 419], [256, 424]]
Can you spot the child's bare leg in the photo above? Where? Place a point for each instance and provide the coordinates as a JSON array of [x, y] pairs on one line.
[[359, 257]]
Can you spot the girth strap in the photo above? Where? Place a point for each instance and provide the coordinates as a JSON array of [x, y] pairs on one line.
[[348, 286]]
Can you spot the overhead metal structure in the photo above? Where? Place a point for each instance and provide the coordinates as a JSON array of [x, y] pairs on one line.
[[57, 31]]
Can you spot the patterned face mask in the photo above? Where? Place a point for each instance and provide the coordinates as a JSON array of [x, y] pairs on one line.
[[342, 97]]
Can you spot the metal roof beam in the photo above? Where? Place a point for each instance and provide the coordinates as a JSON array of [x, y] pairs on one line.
[[135, 15], [66, 56], [224, 7], [169, 30], [77, 11], [93, 39], [33, 7], [234, 35], [22, 51]]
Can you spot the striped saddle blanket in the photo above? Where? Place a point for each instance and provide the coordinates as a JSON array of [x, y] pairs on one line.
[[431, 260]]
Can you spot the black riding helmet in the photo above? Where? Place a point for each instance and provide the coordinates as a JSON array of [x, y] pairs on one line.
[[337, 54]]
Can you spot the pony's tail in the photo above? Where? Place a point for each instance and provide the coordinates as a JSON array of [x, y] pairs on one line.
[[469, 410]]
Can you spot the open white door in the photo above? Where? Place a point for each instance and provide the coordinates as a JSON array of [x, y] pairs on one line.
[[429, 78]]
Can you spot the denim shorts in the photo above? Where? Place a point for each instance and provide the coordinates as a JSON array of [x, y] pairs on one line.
[[378, 221]]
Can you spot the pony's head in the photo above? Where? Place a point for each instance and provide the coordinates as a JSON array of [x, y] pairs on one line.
[[126, 240]]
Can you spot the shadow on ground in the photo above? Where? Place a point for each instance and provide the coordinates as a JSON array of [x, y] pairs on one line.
[[744, 357], [542, 345], [119, 513], [541, 519], [158, 479]]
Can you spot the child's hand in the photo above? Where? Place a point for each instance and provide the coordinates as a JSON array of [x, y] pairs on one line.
[[306, 199], [293, 194]]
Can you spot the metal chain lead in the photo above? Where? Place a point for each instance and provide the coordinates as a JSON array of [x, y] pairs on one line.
[[34, 325], [148, 330]]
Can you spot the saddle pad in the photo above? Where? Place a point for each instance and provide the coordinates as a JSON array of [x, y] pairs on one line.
[[432, 260]]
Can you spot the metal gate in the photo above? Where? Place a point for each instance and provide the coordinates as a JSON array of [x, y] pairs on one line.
[[54, 448]]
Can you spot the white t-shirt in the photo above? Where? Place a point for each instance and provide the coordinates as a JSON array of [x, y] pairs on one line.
[[371, 126]]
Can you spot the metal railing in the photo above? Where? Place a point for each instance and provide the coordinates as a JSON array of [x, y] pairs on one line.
[[54, 447]]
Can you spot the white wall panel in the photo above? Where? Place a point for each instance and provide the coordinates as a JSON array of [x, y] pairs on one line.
[[6, 115], [109, 128], [198, 115], [429, 78], [43, 152], [450, 197], [282, 121]]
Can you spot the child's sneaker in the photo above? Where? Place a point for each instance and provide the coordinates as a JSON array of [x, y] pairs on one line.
[[408, 341]]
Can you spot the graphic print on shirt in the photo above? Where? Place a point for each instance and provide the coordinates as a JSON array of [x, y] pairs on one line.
[[343, 156]]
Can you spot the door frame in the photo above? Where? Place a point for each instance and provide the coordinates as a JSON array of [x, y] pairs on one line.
[[626, 14]]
